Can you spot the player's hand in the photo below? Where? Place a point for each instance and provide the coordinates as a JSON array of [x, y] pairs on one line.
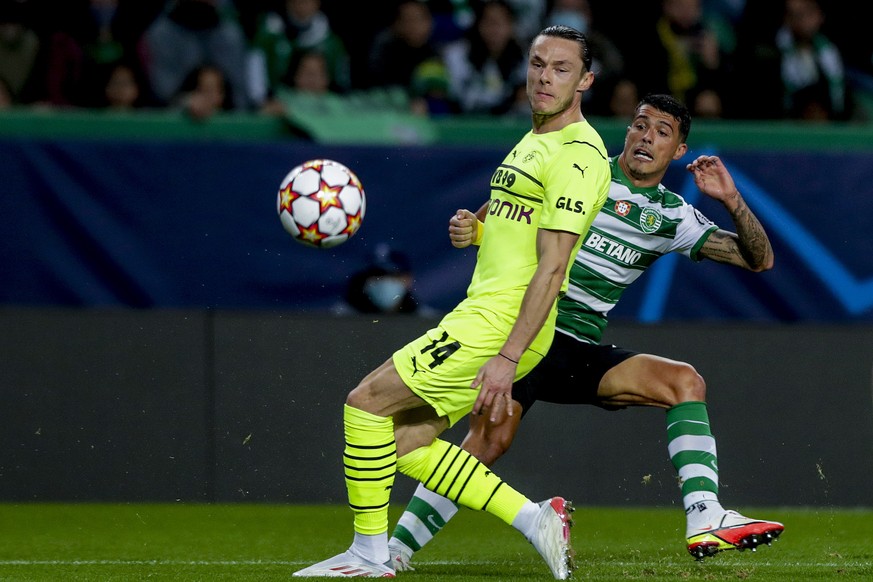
[[462, 228], [713, 179], [494, 382]]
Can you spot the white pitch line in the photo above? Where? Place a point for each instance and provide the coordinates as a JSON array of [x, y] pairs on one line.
[[422, 562]]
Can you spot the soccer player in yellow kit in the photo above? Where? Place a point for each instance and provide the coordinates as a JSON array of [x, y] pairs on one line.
[[544, 197]]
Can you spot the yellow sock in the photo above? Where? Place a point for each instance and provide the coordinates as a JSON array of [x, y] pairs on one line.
[[370, 462], [452, 472]]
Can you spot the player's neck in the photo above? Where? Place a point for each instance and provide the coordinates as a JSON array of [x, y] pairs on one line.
[[556, 122], [639, 181]]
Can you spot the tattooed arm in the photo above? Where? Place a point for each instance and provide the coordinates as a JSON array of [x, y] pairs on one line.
[[749, 248]]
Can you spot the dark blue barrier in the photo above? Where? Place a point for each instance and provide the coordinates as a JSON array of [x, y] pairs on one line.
[[193, 224]]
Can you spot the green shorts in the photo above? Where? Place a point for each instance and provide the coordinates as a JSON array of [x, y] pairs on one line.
[[440, 366]]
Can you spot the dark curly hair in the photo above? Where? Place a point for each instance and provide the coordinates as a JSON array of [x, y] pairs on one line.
[[671, 105]]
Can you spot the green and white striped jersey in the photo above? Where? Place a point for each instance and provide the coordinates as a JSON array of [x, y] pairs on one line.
[[635, 227]]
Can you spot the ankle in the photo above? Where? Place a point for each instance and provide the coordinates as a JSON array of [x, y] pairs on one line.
[[371, 547]]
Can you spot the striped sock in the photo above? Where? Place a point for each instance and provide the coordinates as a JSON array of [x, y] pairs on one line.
[[452, 472], [424, 517], [370, 463], [693, 454]]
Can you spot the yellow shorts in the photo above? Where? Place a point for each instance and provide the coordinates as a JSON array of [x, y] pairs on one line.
[[440, 366]]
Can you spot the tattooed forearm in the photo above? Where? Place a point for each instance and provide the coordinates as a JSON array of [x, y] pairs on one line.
[[748, 248], [721, 246], [751, 241]]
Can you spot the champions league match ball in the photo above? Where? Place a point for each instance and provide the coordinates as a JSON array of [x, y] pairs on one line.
[[321, 203]]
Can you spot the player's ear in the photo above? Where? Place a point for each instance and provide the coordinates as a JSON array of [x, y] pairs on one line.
[[680, 151], [585, 82]]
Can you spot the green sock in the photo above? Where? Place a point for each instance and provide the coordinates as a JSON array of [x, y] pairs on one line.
[[692, 452], [425, 515]]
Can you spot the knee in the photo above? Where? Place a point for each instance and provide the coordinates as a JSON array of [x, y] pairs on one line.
[[688, 385], [496, 447], [486, 448], [359, 397], [488, 441]]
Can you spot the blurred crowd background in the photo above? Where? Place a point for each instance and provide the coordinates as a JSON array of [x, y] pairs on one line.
[[727, 59]]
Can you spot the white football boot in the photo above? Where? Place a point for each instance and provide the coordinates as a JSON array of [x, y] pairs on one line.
[[347, 565], [551, 536]]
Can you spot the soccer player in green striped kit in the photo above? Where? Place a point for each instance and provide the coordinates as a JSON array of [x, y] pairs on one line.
[[640, 222], [544, 197]]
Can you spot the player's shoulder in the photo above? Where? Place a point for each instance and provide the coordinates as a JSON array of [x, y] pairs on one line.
[[578, 144], [582, 135], [669, 199]]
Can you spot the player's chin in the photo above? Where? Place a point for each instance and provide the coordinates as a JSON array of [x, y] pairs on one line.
[[541, 103]]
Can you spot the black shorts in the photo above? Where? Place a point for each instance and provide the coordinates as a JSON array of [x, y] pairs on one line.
[[569, 374]]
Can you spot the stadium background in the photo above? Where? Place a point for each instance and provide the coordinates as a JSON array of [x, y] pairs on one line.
[[163, 339]]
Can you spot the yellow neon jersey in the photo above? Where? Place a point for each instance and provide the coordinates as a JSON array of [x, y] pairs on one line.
[[556, 181]]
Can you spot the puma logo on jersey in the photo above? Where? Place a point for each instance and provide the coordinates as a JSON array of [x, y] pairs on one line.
[[580, 169]]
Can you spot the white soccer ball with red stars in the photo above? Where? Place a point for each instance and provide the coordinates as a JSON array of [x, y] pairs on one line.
[[321, 203]]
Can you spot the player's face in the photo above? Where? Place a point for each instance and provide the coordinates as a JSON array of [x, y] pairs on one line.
[[555, 75], [652, 142]]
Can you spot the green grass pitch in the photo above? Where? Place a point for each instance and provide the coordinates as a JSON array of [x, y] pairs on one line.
[[243, 542]]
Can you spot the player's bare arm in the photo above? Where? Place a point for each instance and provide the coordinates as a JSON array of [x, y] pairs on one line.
[[750, 247], [495, 378]]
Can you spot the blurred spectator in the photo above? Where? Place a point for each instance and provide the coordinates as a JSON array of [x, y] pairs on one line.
[[383, 286], [708, 104], [403, 55], [487, 66], [123, 87], [190, 34], [529, 17], [83, 48], [317, 112], [63, 81], [451, 20], [812, 69], [624, 99], [454, 18], [204, 93], [607, 60], [19, 53], [403, 46], [310, 73], [684, 59], [308, 76], [101, 41], [300, 26]]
